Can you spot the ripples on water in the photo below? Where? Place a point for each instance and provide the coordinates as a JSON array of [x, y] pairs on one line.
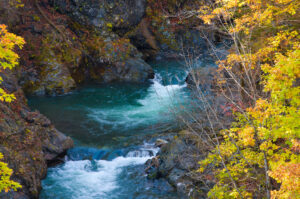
[[104, 120]]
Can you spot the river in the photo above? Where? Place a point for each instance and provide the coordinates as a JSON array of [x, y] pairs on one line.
[[112, 126]]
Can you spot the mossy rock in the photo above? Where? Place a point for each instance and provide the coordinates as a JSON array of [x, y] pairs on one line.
[[54, 77]]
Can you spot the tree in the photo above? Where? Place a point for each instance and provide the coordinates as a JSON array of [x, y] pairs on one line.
[[8, 60], [258, 155]]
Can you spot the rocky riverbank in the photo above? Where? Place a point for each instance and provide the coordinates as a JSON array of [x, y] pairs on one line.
[[28, 141]]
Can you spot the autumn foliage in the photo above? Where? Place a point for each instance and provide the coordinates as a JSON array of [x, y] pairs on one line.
[[5, 173], [8, 60], [258, 157]]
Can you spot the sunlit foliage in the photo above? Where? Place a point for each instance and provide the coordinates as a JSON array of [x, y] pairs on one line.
[[6, 184], [8, 60], [259, 154]]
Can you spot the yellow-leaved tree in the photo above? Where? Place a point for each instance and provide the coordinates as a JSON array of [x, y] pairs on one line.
[[8, 60], [258, 157]]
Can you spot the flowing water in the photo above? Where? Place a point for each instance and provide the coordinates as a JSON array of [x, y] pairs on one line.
[[109, 124]]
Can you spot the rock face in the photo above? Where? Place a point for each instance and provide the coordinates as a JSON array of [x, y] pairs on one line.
[[112, 58], [102, 14], [107, 57], [28, 141], [54, 77]]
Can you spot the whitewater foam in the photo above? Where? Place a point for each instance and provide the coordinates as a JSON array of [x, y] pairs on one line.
[[159, 100], [90, 179]]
